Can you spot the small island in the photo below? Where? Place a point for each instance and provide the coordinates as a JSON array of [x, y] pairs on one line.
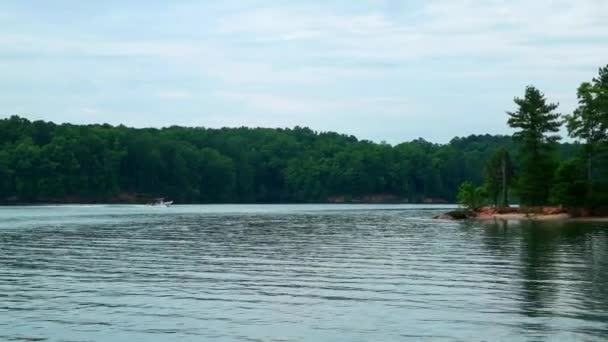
[[546, 188]]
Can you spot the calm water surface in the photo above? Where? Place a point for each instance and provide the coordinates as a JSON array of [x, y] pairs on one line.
[[295, 273]]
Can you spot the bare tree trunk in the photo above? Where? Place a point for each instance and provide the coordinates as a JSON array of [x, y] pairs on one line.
[[504, 181], [589, 176]]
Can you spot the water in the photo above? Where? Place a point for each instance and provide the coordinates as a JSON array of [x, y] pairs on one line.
[[295, 273]]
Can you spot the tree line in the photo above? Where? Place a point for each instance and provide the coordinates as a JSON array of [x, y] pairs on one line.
[[539, 176], [47, 162]]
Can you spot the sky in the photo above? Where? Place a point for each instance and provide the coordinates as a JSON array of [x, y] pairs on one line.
[[384, 70]]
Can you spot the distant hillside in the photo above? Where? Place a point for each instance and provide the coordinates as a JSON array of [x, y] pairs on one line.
[[44, 162]]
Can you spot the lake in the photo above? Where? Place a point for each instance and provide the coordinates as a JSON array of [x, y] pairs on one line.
[[296, 273]]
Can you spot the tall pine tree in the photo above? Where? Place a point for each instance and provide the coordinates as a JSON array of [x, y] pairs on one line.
[[589, 123], [535, 120]]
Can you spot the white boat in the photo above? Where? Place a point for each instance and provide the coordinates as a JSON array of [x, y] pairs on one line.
[[160, 202]]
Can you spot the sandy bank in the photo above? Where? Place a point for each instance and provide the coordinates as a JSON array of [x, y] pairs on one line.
[[540, 217], [531, 217], [515, 214]]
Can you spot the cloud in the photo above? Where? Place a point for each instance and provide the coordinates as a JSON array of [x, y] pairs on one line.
[[283, 43], [175, 95], [365, 66], [313, 106], [438, 28], [276, 104]]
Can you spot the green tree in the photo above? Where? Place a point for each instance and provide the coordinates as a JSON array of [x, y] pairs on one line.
[[470, 196], [217, 176], [569, 186], [27, 162], [535, 120], [589, 122], [6, 175]]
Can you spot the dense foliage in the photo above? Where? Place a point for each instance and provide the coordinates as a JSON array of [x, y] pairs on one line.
[[470, 196], [44, 162], [542, 177], [535, 121], [589, 123]]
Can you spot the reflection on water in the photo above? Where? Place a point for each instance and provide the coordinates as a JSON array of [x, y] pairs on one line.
[[563, 272], [309, 273]]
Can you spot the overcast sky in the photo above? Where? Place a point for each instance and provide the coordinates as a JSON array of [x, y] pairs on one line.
[[379, 69]]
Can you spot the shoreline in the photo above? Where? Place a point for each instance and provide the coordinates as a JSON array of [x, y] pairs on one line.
[[521, 216], [542, 214], [541, 218]]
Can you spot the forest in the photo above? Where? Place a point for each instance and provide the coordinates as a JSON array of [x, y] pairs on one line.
[[44, 162], [538, 176]]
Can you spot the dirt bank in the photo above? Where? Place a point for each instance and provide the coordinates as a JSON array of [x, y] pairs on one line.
[[531, 213]]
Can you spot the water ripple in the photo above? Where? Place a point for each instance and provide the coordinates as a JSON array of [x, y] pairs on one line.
[[295, 273]]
